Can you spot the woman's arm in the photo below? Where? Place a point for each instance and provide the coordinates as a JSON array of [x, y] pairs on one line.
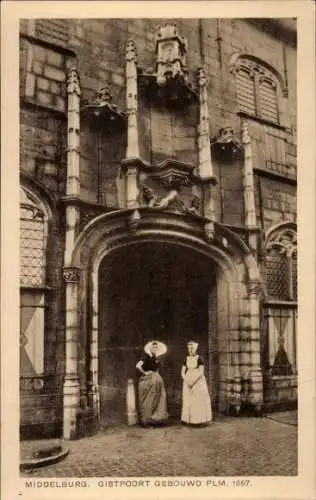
[[183, 372], [139, 367]]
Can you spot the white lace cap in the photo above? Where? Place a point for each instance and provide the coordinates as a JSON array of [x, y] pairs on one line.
[[161, 348]]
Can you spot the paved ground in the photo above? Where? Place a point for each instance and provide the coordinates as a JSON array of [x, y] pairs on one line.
[[228, 447]]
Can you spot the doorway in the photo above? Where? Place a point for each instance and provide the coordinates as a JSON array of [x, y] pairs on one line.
[[153, 291]]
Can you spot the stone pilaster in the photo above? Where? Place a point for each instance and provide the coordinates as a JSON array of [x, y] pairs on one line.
[[71, 383], [248, 184], [94, 398], [205, 167], [132, 151], [73, 162], [73, 153], [131, 101], [255, 373]]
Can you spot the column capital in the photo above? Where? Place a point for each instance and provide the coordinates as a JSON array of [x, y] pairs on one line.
[[254, 288], [71, 274]]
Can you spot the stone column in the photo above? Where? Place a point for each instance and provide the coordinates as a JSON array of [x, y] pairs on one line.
[[71, 274], [255, 373], [248, 185], [94, 397], [234, 346], [204, 149], [132, 151], [71, 383]]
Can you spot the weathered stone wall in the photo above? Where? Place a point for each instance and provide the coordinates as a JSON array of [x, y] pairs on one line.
[[96, 47]]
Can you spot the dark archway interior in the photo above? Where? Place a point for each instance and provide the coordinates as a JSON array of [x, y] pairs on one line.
[[150, 291]]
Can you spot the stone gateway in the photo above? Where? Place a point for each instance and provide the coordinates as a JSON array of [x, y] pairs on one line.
[[157, 201]]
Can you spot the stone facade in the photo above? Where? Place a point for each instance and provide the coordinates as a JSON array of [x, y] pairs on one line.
[[165, 138]]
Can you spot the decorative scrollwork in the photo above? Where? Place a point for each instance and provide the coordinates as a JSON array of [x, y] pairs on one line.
[[71, 274], [285, 242]]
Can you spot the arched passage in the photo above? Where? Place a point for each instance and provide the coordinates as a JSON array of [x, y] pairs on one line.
[[162, 278]]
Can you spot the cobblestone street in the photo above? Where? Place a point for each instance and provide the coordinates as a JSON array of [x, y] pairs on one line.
[[228, 447]]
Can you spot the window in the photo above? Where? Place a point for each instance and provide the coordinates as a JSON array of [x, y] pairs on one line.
[[257, 90], [281, 319], [281, 266], [282, 340], [33, 241]]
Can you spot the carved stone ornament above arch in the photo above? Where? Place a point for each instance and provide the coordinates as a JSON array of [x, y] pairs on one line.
[[283, 239], [32, 206], [252, 64], [34, 190]]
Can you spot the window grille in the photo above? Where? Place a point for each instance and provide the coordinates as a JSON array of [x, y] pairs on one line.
[[33, 235], [277, 278]]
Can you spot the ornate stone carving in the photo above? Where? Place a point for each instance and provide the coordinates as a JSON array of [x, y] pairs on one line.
[[134, 220], [73, 82], [245, 137], [226, 144], [167, 84], [103, 112], [71, 274], [285, 242], [209, 230], [130, 51], [171, 51], [171, 201], [195, 206], [254, 288]]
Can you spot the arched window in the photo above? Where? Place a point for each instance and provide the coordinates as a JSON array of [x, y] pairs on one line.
[[281, 266], [258, 90], [281, 310], [33, 243]]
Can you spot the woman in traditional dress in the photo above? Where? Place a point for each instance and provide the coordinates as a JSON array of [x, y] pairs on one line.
[[196, 403], [152, 398]]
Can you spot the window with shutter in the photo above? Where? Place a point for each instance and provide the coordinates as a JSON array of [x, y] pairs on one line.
[[268, 100], [257, 90], [246, 91], [33, 242]]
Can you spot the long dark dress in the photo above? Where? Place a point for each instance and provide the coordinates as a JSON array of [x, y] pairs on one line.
[[152, 398]]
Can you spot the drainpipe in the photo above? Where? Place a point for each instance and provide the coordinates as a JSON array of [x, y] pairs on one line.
[[71, 275]]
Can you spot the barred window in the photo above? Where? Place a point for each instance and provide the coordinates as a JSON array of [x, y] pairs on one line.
[[33, 242], [277, 276], [281, 266], [257, 90], [33, 235]]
